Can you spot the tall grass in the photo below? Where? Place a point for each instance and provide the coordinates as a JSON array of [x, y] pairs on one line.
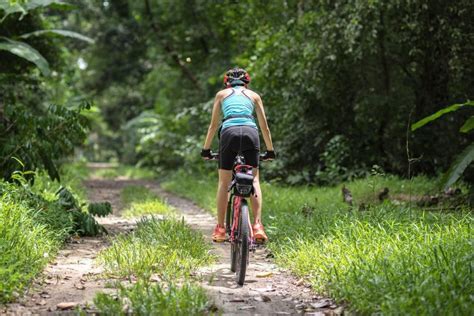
[[33, 225], [26, 244], [389, 258]]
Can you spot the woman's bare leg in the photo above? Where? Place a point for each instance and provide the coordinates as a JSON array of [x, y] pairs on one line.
[[225, 176], [256, 200]]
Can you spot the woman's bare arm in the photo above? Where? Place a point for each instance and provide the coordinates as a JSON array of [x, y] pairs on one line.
[[215, 120], [262, 122]]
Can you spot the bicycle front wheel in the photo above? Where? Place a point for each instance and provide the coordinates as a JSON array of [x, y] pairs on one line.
[[242, 244]]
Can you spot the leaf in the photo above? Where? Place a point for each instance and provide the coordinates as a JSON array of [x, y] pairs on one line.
[[9, 8], [440, 113], [468, 125], [33, 4], [60, 32], [462, 161], [27, 52]]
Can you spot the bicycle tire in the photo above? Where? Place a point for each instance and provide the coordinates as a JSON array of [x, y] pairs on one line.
[[229, 222], [242, 253]]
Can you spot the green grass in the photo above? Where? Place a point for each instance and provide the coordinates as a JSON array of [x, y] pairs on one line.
[[25, 245], [139, 200], [34, 223], [146, 298], [390, 259], [167, 249], [33, 226]]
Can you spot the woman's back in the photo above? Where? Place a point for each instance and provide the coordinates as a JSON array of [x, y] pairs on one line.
[[240, 105]]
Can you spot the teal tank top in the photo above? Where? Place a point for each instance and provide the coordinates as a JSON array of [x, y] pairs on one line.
[[237, 103]]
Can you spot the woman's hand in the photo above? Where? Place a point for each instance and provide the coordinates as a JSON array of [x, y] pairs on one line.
[[206, 154], [268, 155]]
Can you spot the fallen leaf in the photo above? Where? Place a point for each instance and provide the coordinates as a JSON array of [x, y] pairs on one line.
[[66, 305], [300, 282], [264, 274]]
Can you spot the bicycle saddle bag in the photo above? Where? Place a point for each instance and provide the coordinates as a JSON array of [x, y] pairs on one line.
[[243, 184]]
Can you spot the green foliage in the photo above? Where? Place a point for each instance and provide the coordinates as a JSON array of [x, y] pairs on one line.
[[26, 244], [356, 70], [145, 298], [462, 161], [468, 125], [84, 223], [152, 249], [23, 7], [27, 52], [65, 33], [32, 228], [41, 117], [435, 116], [387, 258], [465, 158], [334, 160], [100, 209]]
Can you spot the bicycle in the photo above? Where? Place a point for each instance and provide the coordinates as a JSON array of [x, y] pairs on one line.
[[237, 218]]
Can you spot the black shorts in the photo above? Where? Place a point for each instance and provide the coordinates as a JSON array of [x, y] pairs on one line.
[[235, 139]]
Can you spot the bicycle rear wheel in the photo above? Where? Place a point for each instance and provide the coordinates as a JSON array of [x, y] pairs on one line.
[[242, 244], [229, 219]]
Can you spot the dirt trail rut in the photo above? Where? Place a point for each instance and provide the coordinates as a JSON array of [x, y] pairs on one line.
[[74, 277]]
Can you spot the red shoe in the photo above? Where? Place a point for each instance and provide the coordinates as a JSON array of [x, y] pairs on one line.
[[219, 234], [259, 233]]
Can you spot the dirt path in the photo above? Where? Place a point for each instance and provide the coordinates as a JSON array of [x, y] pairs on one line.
[[73, 277]]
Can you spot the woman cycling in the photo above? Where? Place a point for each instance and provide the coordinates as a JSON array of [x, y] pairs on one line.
[[239, 134]]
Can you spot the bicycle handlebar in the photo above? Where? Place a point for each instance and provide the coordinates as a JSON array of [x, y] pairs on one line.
[[215, 156]]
